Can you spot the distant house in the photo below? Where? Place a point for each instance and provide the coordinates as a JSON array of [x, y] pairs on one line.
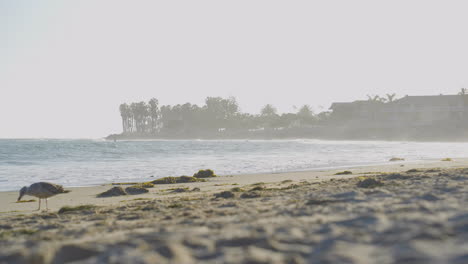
[[355, 112], [427, 110], [413, 111]]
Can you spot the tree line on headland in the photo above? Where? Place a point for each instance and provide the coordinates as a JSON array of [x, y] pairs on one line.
[[217, 117], [436, 117]]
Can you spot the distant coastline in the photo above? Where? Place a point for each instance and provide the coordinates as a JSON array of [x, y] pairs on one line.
[[410, 118]]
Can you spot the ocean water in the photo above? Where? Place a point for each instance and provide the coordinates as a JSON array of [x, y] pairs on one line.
[[90, 162]]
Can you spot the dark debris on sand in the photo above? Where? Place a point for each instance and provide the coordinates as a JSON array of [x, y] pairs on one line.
[[133, 190], [114, 191], [118, 191]]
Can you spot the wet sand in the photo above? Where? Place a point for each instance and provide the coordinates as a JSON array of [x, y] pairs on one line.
[[398, 213]]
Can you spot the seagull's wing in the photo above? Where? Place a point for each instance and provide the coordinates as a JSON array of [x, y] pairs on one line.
[[51, 188]]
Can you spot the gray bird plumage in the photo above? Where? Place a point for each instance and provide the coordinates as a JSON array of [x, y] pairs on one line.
[[42, 190]]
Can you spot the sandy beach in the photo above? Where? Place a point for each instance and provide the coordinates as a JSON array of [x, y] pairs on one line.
[[396, 213]]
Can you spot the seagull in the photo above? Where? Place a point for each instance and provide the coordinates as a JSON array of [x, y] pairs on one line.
[[42, 190]]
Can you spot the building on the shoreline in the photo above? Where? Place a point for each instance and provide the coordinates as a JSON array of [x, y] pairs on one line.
[[406, 112]]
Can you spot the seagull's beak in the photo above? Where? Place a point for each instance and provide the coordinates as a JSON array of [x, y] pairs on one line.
[[19, 198]]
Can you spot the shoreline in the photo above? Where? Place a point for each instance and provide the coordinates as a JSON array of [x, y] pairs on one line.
[[87, 194], [401, 140], [464, 138], [335, 168], [327, 168]]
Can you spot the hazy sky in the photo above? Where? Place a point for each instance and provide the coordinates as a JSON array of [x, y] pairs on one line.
[[65, 66]]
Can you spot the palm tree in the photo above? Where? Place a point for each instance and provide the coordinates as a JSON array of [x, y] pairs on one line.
[[463, 91], [125, 114], [133, 117], [390, 97], [153, 110], [375, 98], [142, 117]]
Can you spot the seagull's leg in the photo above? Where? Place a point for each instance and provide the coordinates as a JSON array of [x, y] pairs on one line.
[[39, 204], [47, 208]]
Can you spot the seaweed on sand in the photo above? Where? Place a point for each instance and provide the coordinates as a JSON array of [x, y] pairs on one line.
[[180, 190], [69, 209], [369, 183], [343, 173], [258, 188], [145, 185], [114, 191], [25, 201], [225, 194], [237, 189], [135, 190], [204, 174], [251, 194], [14, 233], [175, 205], [181, 179]]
